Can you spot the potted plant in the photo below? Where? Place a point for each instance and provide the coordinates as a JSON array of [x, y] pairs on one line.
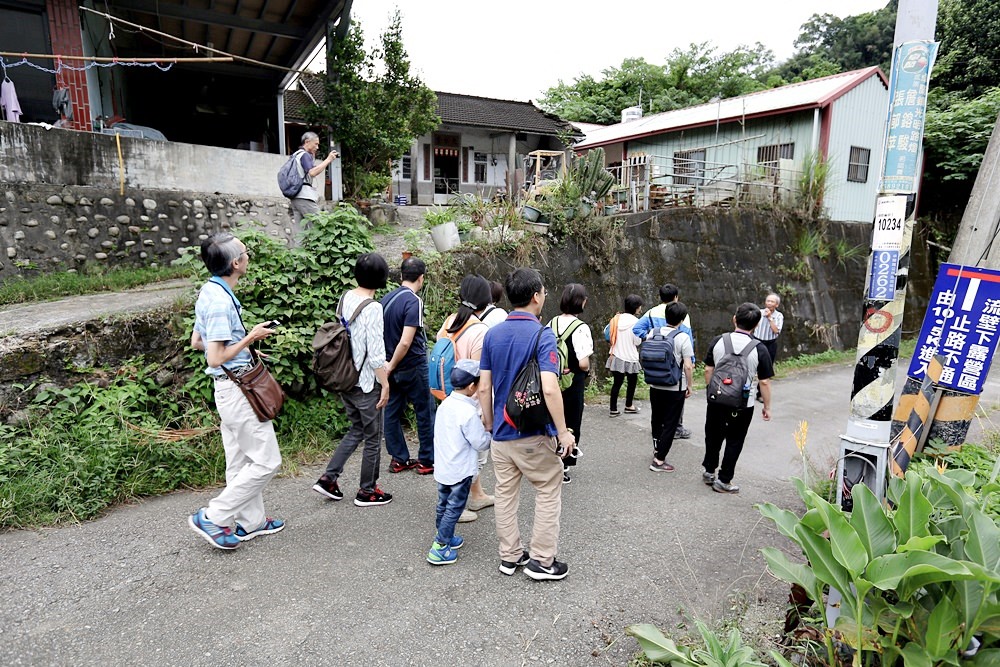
[[592, 179], [412, 242], [465, 226], [440, 222]]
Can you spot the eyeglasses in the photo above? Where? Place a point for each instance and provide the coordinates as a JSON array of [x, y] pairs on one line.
[[248, 254]]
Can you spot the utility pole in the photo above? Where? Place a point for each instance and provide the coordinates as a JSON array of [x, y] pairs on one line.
[[865, 444]]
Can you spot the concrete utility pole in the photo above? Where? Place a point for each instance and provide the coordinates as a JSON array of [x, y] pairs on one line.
[[865, 445], [951, 413], [974, 245]]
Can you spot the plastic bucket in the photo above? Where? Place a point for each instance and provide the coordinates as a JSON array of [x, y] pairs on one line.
[[445, 236], [530, 213]]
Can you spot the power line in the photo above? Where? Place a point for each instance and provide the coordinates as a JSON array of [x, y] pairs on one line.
[[195, 46]]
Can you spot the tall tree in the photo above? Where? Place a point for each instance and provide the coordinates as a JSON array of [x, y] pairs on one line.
[[968, 61], [689, 76], [828, 44], [374, 105]]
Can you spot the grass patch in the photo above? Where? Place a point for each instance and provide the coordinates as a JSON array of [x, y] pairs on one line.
[[56, 285], [85, 448]]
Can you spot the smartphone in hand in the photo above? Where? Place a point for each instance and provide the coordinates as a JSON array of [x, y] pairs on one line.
[[273, 324]]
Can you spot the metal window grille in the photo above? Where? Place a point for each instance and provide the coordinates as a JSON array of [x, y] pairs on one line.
[[775, 152], [480, 162], [406, 167], [857, 167], [770, 156]]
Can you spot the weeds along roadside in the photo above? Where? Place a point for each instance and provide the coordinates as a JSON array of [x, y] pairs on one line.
[[98, 279], [81, 449]]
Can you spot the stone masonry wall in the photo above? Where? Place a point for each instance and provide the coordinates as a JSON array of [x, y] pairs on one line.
[[46, 228]]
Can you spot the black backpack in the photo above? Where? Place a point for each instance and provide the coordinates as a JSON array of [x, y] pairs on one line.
[[659, 364], [525, 409], [730, 383], [333, 360]]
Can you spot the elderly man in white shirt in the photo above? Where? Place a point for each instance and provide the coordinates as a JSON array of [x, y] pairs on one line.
[[769, 328]]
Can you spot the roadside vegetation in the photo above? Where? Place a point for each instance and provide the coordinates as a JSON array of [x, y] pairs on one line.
[[920, 575], [145, 428], [93, 279]]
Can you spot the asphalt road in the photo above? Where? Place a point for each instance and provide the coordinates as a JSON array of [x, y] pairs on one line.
[[344, 585]]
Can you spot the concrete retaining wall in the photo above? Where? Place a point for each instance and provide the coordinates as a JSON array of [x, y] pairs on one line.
[[719, 259], [32, 154]]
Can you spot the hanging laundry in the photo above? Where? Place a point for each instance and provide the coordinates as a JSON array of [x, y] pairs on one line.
[[62, 104], [8, 100]]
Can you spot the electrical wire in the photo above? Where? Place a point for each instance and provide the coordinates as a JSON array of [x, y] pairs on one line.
[[197, 47]]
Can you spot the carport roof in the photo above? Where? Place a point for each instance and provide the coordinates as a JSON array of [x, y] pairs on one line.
[[278, 32]]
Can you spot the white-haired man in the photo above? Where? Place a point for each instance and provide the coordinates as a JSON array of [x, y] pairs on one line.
[[307, 201]]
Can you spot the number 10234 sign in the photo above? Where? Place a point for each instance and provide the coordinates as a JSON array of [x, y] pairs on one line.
[[887, 239]]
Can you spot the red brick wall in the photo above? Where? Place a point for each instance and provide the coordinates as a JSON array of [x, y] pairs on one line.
[[67, 39]]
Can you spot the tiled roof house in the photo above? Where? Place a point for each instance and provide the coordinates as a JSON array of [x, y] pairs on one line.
[[479, 137]]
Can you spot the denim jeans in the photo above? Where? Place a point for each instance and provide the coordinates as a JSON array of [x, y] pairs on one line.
[[410, 386], [451, 504]]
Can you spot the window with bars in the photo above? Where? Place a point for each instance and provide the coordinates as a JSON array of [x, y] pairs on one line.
[[689, 167], [769, 156], [480, 162], [775, 152], [405, 167], [857, 166]]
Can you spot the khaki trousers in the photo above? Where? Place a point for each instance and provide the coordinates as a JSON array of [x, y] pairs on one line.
[[534, 459], [252, 459]]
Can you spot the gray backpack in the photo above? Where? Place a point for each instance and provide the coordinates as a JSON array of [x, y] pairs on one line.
[[730, 383], [333, 359]]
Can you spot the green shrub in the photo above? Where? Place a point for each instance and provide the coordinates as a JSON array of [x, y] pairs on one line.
[[81, 449]]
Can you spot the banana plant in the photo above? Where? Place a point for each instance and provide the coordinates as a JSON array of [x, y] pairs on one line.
[[917, 582]]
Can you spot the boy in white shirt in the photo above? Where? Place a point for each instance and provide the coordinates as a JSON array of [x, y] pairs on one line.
[[459, 436]]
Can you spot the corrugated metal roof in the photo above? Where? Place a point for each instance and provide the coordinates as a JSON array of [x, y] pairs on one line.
[[812, 94]]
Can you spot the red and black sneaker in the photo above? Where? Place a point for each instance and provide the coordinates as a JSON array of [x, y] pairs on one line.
[[329, 488], [425, 468], [370, 498], [399, 466]]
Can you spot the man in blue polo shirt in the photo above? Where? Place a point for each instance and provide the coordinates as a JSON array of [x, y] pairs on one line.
[[535, 455], [252, 456], [405, 340]]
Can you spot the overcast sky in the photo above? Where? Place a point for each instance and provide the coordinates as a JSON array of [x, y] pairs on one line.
[[515, 49]]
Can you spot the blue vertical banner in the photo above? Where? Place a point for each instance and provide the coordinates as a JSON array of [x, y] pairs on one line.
[[962, 324], [911, 71]]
